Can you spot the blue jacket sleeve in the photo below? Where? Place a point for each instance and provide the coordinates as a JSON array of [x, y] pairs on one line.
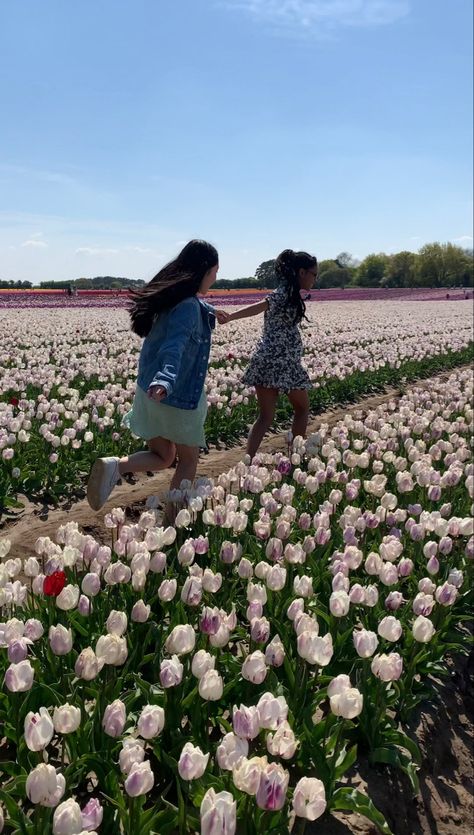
[[181, 324]]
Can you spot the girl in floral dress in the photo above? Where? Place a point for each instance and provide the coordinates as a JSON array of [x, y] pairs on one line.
[[276, 364]]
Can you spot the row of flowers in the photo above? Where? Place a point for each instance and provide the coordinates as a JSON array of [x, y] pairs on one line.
[[69, 376], [224, 674]]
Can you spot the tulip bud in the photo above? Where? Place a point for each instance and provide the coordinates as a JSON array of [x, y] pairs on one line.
[[271, 793], [140, 612], [211, 686], [390, 628], [140, 779], [309, 798], [254, 668], [39, 729], [133, 751], [339, 603], [116, 623], [192, 762], [66, 719], [275, 652], [245, 722], [88, 665], [115, 716], [92, 815], [218, 813], [387, 667], [44, 786], [181, 640], [60, 639], [348, 703], [423, 630], [246, 774], [171, 672], [282, 743], [67, 818], [230, 750]]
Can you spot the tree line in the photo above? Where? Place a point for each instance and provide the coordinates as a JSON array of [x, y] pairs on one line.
[[434, 265]]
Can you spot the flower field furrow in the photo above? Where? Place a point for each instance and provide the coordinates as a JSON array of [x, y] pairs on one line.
[[48, 299], [68, 377], [224, 674]]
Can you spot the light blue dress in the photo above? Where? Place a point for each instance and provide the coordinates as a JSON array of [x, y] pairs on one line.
[[149, 419]]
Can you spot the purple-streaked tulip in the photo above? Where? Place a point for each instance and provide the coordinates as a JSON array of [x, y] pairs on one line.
[[38, 729], [171, 672], [393, 601], [245, 722], [271, 793]]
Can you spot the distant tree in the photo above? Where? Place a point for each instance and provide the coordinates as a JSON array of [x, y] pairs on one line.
[[333, 275], [371, 270], [400, 270], [444, 265], [345, 260], [265, 274], [21, 285]]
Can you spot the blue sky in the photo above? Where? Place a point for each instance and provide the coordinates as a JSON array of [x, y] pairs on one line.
[[130, 126]]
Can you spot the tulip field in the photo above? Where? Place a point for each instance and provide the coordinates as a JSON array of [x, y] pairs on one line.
[[225, 674], [68, 377]]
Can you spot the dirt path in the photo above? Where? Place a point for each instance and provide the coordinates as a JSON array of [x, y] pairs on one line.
[[35, 521]]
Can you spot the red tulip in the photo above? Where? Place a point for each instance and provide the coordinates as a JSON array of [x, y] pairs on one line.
[[54, 584]]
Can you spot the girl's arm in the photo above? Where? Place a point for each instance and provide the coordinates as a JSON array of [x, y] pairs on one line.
[[251, 310]]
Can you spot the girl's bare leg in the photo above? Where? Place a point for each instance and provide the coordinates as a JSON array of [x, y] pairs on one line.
[[300, 401], [161, 456], [267, 400], [188, 457]]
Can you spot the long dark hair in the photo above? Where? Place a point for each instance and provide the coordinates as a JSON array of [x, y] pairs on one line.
[[175, 282], [287, 267]]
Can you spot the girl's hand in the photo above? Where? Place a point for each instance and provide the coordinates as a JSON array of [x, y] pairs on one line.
[[156, 393], [222, 317]]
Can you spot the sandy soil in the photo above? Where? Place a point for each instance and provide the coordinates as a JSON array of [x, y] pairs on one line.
[[444, 728]]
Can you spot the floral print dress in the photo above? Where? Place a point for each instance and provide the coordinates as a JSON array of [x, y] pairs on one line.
[[276, 362]]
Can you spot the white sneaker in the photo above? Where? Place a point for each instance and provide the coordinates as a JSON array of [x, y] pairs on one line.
[[102, 480]]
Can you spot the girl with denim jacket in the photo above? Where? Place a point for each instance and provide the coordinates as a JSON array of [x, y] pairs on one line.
[[169, 407]]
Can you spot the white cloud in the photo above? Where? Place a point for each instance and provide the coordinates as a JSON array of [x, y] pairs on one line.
[[320, 16], [92, 250], [464, 239], [35, 243]]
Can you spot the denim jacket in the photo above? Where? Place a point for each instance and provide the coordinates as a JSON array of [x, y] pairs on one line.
[[175, 353]]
